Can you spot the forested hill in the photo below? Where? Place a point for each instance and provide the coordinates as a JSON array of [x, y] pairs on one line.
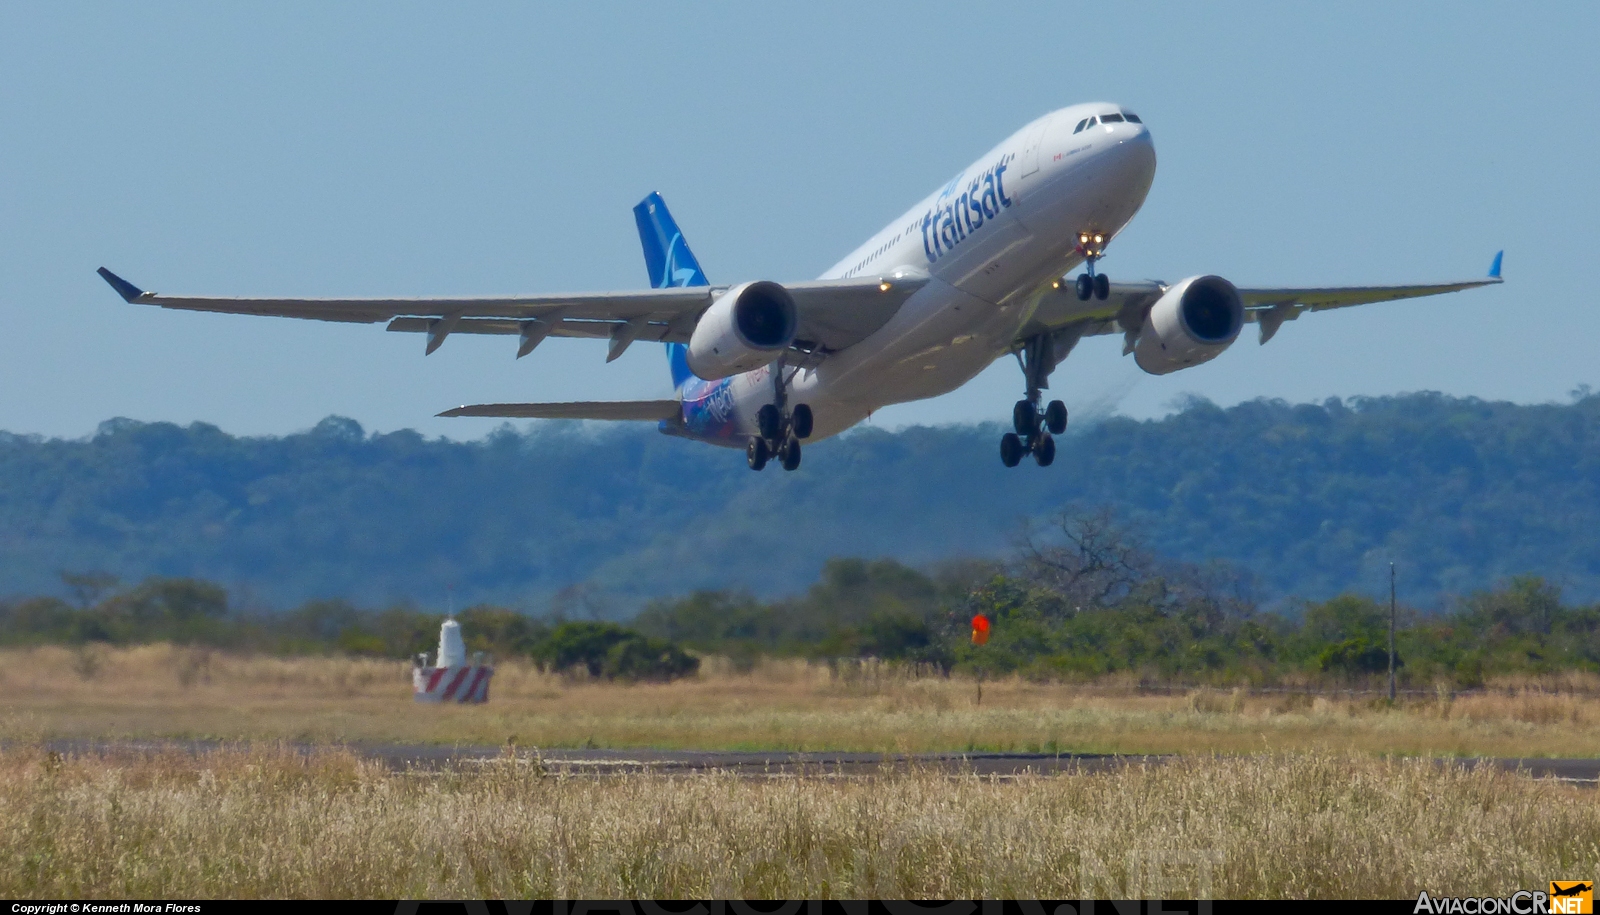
[[1314, 499]]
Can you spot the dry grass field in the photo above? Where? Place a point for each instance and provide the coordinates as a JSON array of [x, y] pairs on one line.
[[280, 824], [164, 691]]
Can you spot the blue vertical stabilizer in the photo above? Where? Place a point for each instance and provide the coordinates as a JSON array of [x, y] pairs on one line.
[[671, 263]]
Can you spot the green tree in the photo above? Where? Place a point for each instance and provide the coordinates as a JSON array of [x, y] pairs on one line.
[[610, 651], [1526, 605], [1355, 656], [1348, 616], [88, 587], [499, 630]]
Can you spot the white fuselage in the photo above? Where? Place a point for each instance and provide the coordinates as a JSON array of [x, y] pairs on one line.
[[992, 240]]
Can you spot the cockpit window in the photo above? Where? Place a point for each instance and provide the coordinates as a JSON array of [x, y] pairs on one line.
[[1081, 124], [1111, 119], [1132, 117], [1091, 122]]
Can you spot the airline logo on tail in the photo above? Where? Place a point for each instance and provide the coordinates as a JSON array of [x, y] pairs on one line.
[[672, 274], [666, 254]]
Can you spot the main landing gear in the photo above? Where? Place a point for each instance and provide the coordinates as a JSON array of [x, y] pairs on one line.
[[1092, 245], [778, 431], [1039, 355], [1036, 427]]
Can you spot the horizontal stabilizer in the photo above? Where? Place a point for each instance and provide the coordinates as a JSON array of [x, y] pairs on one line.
[[614, 409]]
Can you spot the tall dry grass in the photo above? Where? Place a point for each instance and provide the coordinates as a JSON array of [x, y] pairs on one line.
[[166, 691], [264, 823]]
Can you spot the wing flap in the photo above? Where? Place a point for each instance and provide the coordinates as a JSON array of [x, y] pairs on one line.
[[579, 328], [609, 410]]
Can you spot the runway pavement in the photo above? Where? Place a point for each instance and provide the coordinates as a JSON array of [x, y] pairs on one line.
[[597, 762]]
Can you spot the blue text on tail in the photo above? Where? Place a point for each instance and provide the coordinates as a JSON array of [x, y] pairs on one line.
[[671, 263]]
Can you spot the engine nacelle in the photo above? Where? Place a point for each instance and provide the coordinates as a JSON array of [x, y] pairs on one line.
[[1193, 322], [745, 328]]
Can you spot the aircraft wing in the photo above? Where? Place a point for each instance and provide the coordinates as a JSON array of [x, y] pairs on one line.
[[620, 409], [833, 314], [1123, 311]]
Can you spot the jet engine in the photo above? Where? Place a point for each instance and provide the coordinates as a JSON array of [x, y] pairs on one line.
[[1191, 323], [745, 328]]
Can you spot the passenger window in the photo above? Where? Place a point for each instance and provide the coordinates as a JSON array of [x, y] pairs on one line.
[[1110, 118], [1081, 124], [1132, 117]]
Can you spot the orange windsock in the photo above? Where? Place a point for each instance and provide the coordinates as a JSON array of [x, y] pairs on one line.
[[980, 629]]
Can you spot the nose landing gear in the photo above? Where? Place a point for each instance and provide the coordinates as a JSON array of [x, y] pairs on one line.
[[1035, 428], [1092, 245]]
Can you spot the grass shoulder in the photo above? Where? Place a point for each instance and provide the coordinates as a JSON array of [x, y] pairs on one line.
[[169, 691]]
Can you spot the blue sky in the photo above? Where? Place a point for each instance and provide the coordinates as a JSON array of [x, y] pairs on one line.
[[399, 149]]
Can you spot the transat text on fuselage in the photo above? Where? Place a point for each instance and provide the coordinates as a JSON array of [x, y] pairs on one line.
[[953, 218]]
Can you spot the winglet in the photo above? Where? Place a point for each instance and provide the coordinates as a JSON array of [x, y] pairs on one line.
[[128, 291], [1494, 268]]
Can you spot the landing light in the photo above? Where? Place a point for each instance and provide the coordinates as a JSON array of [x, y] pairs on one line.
[[1099, 238], [883, 287]]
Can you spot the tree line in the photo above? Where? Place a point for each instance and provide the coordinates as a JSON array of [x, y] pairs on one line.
[[1081, 597], [189, 611], [1466, 493]]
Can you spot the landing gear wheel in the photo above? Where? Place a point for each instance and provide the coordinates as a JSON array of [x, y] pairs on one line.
[[768, 421], [1010, 449], [802, 421], [1055, 417], [1102, 287], [1044, 450], [1085, 287], [1024, 418], [756, 453], [789, 454]]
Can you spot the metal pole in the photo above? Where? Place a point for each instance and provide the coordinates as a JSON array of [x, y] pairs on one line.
[[1391, 632]]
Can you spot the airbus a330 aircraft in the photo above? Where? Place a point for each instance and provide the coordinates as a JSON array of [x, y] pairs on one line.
[[977, 270]]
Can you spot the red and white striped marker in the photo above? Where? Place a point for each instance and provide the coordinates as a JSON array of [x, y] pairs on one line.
[[451, 684]]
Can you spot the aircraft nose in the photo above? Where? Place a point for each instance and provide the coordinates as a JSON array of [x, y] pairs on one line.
[[1135, 154]]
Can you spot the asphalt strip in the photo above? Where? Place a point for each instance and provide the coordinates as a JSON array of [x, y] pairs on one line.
[[598, 762]]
